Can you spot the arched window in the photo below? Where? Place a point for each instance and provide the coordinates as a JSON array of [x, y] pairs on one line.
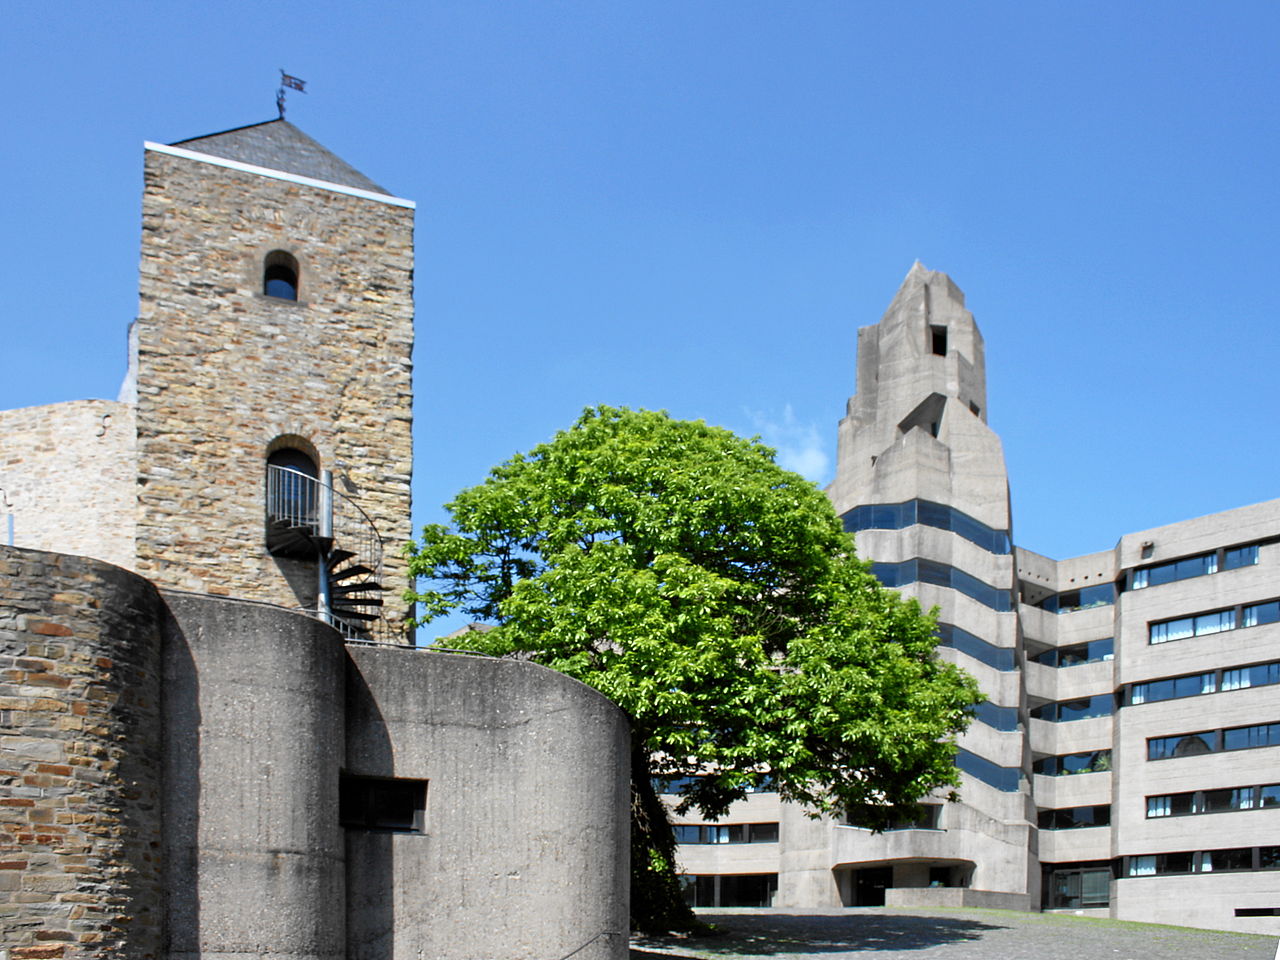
[[292, 488], [280, 276]]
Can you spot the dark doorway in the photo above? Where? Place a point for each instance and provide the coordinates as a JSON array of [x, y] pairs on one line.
[[869, 886]]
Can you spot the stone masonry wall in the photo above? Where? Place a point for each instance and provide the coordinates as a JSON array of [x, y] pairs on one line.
[[67, 476], [80, 760], [224, 370]]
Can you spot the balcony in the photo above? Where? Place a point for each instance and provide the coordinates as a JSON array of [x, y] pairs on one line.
[[307, 519]]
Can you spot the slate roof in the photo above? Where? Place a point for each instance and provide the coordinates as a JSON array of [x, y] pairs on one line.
[[279, 145]]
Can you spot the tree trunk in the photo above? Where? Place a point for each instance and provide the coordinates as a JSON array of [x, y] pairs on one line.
[[657, 904]]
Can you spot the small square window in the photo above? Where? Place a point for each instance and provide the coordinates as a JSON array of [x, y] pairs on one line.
[[374, 803]]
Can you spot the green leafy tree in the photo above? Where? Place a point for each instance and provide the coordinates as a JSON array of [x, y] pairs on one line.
[[716, 599]]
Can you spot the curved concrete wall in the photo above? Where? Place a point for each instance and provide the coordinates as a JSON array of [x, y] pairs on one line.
[[253, 711], [524, 853], [80, 778]]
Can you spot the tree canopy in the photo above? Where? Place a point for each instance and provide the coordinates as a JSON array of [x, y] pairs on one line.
[[716, 599]]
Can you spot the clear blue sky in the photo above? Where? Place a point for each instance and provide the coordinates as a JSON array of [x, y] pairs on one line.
[[694, 206]]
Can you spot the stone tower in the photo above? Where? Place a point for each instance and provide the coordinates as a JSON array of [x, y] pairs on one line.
[[271, 366]]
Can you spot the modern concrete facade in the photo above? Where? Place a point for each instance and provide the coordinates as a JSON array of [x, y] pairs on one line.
[[1127, 762], [215, 745]]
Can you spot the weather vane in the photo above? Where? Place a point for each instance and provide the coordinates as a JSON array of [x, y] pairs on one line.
[[288, 82]]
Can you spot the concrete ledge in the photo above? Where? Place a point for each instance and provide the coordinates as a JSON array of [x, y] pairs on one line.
[[911, 897]]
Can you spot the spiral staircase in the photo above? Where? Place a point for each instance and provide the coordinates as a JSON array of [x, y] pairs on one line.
[[307, 519]]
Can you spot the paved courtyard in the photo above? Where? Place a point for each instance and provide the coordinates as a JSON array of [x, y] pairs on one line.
[[959, 934]]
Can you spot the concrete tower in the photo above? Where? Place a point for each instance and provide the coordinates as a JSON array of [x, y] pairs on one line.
[[272, 350], [921, 481]]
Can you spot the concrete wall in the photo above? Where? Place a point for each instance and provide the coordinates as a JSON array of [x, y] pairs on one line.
[[80, 771], [525, 847], [223, 370], [253, 715], [67, 478]]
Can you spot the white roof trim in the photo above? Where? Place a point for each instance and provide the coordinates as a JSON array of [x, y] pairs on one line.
[[278, 174]]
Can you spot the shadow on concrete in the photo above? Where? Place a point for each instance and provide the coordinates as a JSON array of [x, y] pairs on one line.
[[778, 934]]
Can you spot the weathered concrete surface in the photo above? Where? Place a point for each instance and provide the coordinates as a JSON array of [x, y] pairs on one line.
[[525, 849], [80, 771], [254, 728]]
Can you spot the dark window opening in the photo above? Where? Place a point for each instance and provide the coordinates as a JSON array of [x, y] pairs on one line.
[[726, 890], [1072, 818], [280, 276], [872, 817], [1258, 911], [726, 833], [1076, 886], [372, 803], [293, 497], [938, 340]]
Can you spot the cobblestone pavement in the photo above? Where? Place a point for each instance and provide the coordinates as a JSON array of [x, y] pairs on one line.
[[959, 934]]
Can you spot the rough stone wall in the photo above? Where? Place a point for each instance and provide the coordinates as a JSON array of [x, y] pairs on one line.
[[67, 476], [80, 756], [224, 370]]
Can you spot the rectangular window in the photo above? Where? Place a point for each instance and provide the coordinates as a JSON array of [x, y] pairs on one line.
[[1261, 675], [1213, 861], [744, 890], [1240, 557], [938, 340], [1269, 795], [1172, 688], [1245, 738], [1069, 887], [1201, 625], [1072, 818], [375, 803], [1101, 705], [1198, 566], [1094, 651], [1182, 745], [1094, 761], [715, 833], [1261, 613]]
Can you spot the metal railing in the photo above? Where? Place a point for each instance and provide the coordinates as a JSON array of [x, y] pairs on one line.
[[311, 507]]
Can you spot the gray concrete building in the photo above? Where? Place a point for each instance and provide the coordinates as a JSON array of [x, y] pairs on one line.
[[1127, 761], [214, 740]]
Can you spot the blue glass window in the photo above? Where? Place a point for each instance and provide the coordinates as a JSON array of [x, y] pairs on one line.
[[1182, 745], [1001, 658], [942, 575], [992, 774], [1261, 675], [1245, 738], [1094, 651], [1198, 626], [1240, 557], [996, 717], [1085, 708], [898, 516], [1069, 601], [1173, 688], [1198, 566], [1093, 761]]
